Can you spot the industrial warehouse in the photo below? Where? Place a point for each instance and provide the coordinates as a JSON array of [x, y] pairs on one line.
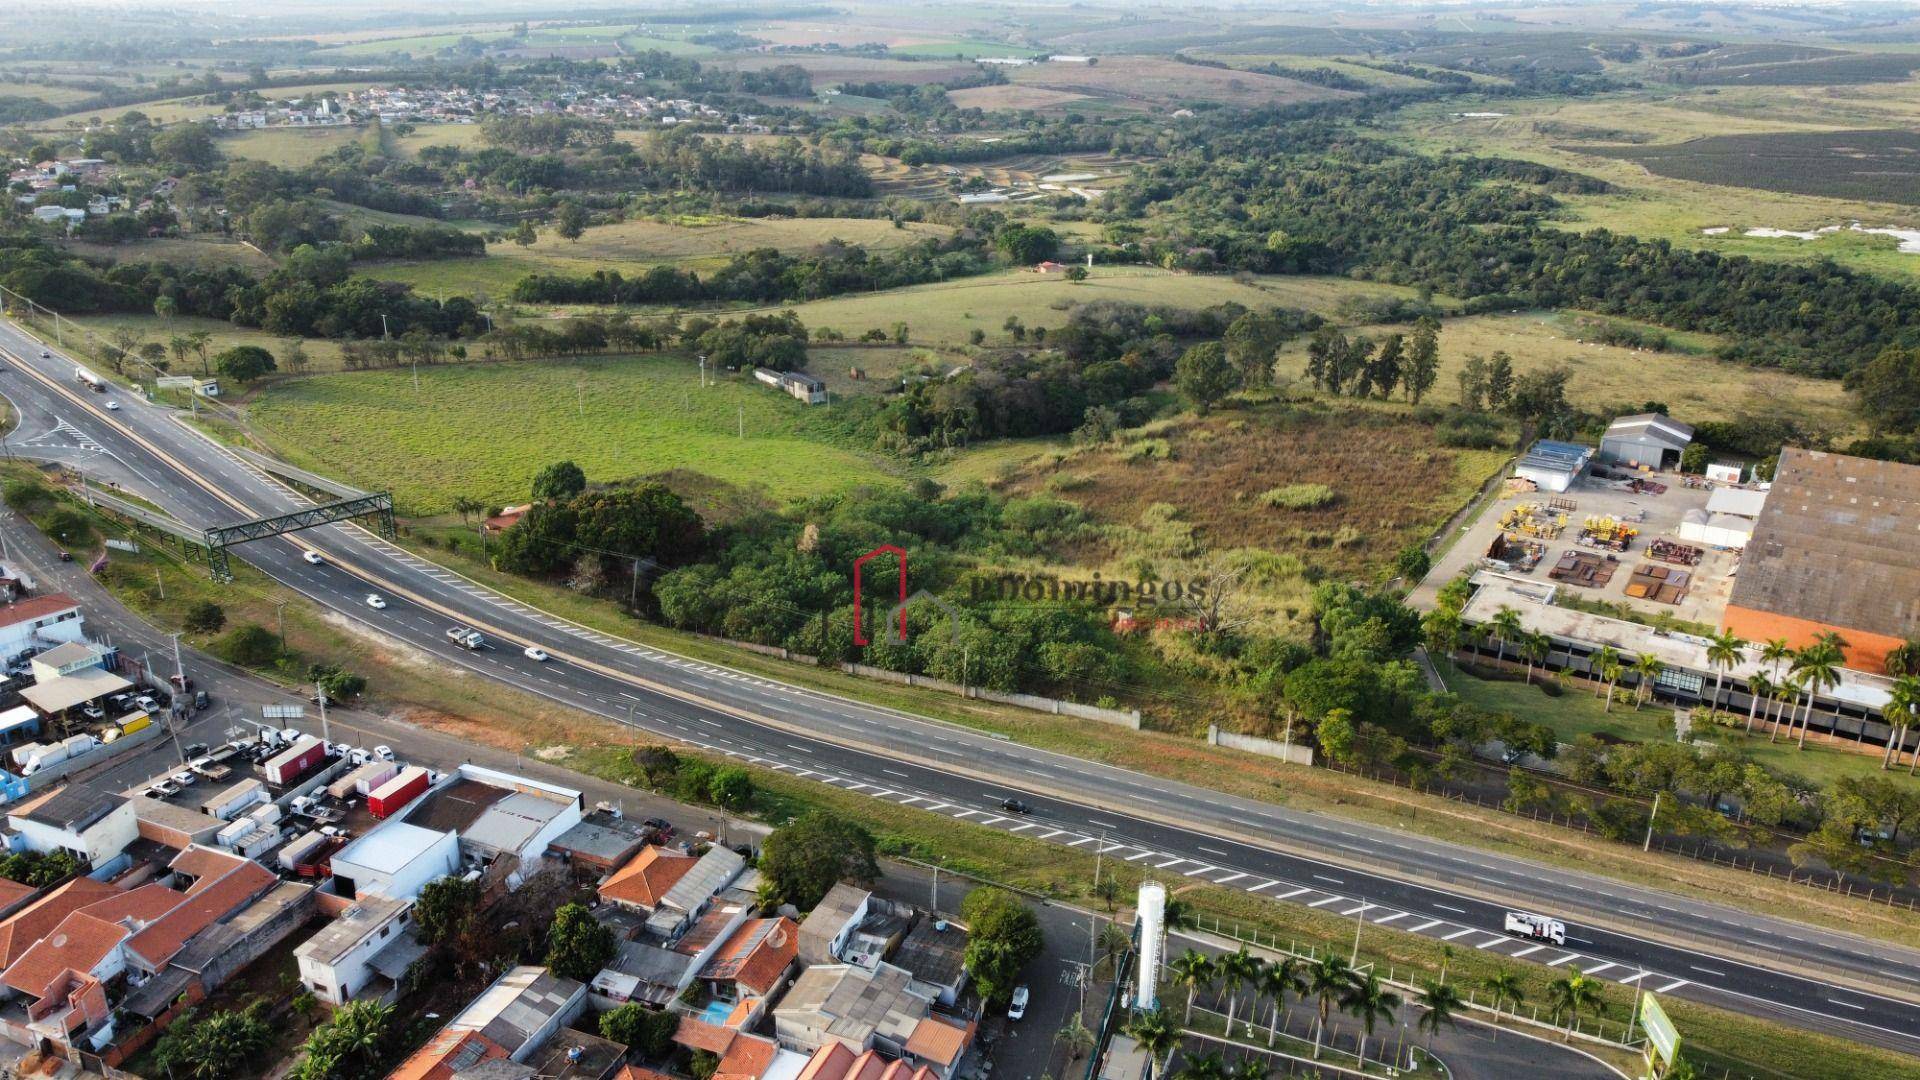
[[1602, 552]]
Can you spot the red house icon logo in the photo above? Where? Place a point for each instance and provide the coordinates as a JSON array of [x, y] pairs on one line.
[[899, 556]]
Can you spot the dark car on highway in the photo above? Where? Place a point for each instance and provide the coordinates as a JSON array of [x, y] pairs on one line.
[[1015, 806]]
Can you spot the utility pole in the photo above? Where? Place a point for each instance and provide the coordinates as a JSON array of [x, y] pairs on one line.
[[320, 695], [161, 586], [935, 908], [174, 712], [384, 335], [1359, 921], [1648, 844]]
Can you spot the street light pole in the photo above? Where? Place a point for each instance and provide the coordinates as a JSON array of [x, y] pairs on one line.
[[1647, 845], [320, 695]]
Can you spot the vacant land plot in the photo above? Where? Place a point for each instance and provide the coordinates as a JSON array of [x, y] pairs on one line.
[[1242, 478], [1010, 96], [1152, 84], [1790, 66], [1610, 376], [484, 429], [289, 147], [208, 249], [632, 245], [322, 355], [191, 107], [946, 313]]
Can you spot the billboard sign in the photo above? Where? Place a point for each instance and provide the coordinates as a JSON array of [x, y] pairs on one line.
[[1663, 1039]]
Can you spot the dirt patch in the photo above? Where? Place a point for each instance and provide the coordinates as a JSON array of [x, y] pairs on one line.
[[554, 753], [991, 98], [464, 728]]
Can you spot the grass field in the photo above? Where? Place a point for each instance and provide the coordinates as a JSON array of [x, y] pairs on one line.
[[289, 147], [945, 313], [1147, 83], [1867, 165], [201, 249], [189, 107], [637, 244], [324, 355], [1578, 712], [1606, 376], [485, 429]]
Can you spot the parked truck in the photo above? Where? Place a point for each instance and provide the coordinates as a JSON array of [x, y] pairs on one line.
[[397, 792], [293, 762]]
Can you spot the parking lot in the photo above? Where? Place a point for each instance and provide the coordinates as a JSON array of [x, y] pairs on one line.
[[1555, 523]]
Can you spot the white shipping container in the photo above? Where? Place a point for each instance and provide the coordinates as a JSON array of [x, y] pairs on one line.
[[231, 833], [291, 855], [25, 751], [266, 815], [372, 776]]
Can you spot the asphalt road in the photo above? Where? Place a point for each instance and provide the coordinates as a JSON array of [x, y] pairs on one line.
[[1757, 964]]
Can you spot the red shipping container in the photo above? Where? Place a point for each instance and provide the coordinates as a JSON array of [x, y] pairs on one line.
[[293, 762], [397, 792]]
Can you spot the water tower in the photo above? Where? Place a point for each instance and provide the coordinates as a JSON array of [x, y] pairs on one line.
[[1152, 907]]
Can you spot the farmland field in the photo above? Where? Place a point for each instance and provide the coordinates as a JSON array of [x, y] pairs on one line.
[[485, 429], [1874, 165], [1608, 376], [632, 244], [323, 355], [945, 313], [1145, 83]]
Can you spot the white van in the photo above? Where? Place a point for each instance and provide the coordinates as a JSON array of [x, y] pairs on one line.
[[1536, 927]]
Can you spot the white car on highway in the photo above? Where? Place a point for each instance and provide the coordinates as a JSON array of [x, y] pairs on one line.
[[313, 557], [113, 406], [376, 601], [535, 653]]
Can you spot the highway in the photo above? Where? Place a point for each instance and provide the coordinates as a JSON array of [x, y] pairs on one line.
[[1814, 978]]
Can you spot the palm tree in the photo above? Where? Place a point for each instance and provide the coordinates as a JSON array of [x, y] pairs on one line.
[[1646, 668], [1207, 1066], [1775, 651], [1723, 651], [1251, 1067], [1236, 970], [1788, 691], [1277, 980], [1327, 979], [1113, 944], [1534, 647], [1819, 667], [1157, 1034], [1192, 970], [1442, 629], [1503, 989], [1077, 1038], [1504, 627], [1608, 656], [1758, 686], [1440, 1001], [1902, 702], [1370, 1003], [1571, 996], [1611, 671]]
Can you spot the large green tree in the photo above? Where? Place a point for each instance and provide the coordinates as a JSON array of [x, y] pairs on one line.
[[1003, 935], [244, 363], [1204, 374], [801, 861], [1887, 390], [578, 946]]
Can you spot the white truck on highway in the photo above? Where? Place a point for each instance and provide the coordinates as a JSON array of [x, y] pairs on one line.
[[466, 637], [93, 382], [1536, 927]]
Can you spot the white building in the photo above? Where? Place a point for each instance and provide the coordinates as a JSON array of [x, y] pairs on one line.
[[1553, 466], [395, 860], [39, 621], [93, 824], [340, 961]]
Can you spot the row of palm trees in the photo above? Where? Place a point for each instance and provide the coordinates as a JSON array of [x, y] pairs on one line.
[[1331, 984], [1788, 697]]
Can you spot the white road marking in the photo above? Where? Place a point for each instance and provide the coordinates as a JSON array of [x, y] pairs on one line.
[[1203, 870], [1325, 900], [1564, 959], [1498, 939], [1428, 925], [1450, 907], [1528, 951], [1224, 880], [1293, 894], [1351, 912], [1459, 933], [1082, 840], [1634, 978], [1144, 854], [1334, 880], [1848, 1004], [1708, 971], [1262, 885], [1672, 986], [1389, 918], [1601, 968]]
